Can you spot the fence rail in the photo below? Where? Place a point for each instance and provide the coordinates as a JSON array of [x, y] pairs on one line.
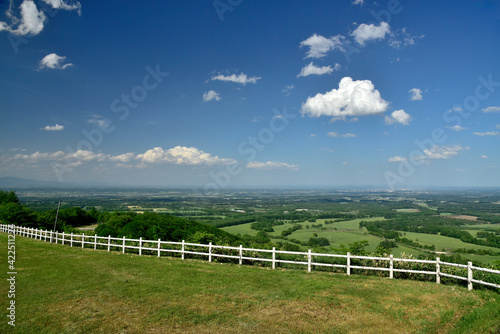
[[275, 257]]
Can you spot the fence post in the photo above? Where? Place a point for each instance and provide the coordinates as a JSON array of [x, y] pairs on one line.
[[182, 252], [83, 240], [57, 234], [140, 246], [71, 239], [45, 236], [391, 267], [51, 236], [469, 276], [438, 271], [348, 263], [309, 261], [95, 241], [123, 245], [274, 257], [109, 242], [63, 238], [159, 246], [210, 251], [241, 254]]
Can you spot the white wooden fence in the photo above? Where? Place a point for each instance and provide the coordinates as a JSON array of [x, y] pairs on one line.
[[248, 254]]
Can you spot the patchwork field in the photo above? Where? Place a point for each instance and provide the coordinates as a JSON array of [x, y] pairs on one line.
[[339, 233]]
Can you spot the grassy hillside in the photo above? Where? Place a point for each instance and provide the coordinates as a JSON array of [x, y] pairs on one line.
[[339, 233], [73, 290]]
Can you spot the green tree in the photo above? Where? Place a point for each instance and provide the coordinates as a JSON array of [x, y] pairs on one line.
[[8, 197], [358, 247]]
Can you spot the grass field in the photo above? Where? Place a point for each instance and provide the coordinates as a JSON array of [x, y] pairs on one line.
[[339, 233], [347, 232], [72, 290]]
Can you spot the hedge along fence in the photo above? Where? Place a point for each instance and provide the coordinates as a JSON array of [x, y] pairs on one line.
[[395, 267]]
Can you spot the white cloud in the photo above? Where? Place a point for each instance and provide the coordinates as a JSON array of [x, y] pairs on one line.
[[498, 126], [491, 109], [358, 2], [287, 89], [398, 116], [181, 155], [271, 165], [126, 157], [397, 158], [242, 78], [32, 20], [456, 127], [53, 61], [99, 121], [367, 32], [490, 133], [352, 98], [441, 152], [434, 153], [60, 4], [211, 95], [75, 157], [56, 127], [402, 38], [129, 166], [484, 157], [340, 135], [416, 94], [319, 45], [313, 69]]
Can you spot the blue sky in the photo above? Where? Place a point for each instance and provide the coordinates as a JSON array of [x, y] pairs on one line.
[[217, 94]]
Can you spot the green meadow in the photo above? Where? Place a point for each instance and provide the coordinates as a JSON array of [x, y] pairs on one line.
[[60, 289]]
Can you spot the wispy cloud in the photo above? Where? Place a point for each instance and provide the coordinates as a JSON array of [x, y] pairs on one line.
[[56, 127], [456, 127], [441, 152], [313, 69], [241, 78], [271, 165], [397, 158], [491, 109], [489, 133], [286, 90], [436, 152], [403, 38], [340, 135]]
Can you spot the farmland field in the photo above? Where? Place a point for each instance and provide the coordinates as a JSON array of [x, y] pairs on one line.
[[235, 210]]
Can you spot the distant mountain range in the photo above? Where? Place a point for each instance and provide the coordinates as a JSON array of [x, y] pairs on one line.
[[17, 182]]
